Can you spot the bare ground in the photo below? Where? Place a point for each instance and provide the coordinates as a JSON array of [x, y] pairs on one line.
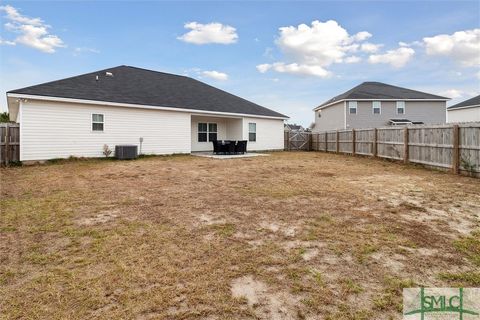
[[289, 236]]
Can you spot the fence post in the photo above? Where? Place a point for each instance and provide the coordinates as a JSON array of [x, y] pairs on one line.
[[353, 141], [7, 145], [310, 142], [374, 145], [338, 142], [405, 145], [326, 141], [318, 141], [456, 150]]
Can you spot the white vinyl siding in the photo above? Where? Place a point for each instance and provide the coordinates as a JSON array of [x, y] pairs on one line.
[[60, 130], [352, 107], [464, 115], [376, 107], [269, 134]]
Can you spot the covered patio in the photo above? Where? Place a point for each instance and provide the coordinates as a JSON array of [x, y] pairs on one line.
[[206, 129]]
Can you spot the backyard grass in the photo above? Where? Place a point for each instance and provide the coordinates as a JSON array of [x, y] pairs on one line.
[[291, 236]]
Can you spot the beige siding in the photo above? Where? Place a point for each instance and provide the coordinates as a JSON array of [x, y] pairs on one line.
[[429, 112], [464, 115], [269, 134], [59, 130], [332, 118]]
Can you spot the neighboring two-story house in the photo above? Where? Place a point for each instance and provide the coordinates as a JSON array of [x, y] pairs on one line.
[[376, 104], [293, 127]]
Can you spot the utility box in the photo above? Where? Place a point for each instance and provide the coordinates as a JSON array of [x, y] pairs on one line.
[[126, 152]]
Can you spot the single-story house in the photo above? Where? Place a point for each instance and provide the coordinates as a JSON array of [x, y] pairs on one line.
[[376, 104], [294, 127], [466, 111], [162, 113]]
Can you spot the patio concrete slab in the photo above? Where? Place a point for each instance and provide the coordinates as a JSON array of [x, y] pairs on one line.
[[228, 156]]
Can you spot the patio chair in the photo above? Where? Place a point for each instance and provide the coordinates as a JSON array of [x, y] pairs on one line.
[[241, 146], [222, 147], [216, 146], [229, 147]]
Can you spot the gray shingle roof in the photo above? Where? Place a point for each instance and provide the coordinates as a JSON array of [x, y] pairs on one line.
[[475, 101], [133, 85], [378, 91]]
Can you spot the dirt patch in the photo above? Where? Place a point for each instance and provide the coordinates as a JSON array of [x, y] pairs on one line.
[[266, 304], [98, 219]]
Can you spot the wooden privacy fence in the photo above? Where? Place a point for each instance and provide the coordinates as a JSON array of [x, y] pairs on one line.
[[452, 146], [296, 140], [9, 143]]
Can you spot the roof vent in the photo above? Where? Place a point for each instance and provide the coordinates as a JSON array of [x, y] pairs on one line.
[[109, 74]]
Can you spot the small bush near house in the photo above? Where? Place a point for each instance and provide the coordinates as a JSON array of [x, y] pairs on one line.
[[106, 150]]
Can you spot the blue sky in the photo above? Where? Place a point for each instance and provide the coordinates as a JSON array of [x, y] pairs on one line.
[[288, 56]]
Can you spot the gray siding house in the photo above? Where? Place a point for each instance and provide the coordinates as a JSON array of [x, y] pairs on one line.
[[376, 104]]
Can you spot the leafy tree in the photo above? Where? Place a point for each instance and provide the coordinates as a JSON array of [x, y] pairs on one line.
[[4, 117]]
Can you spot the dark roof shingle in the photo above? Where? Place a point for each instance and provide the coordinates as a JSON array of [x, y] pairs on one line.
[[378, 90], [133, 85], [475, 101]]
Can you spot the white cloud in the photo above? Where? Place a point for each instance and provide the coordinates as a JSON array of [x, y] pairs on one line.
[[209, 33], [455, 93], [80, 50], [309, 50], [6, 42], [295, 68], [452, 93], [33, 32], [370, 47], [262, 68], [461, 46], [396, 58], [353, 59], [363, 35], [216, 75]]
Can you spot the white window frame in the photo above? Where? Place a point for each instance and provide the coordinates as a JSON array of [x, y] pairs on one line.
[[207, 131], [375, 107], [92, 122], [352, 105], [402, 107], [254, 132]]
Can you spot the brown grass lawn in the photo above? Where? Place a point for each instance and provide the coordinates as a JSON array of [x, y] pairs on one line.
[[289, 236]]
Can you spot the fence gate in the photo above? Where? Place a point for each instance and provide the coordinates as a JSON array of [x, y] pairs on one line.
[[9, 143], [295, 140]]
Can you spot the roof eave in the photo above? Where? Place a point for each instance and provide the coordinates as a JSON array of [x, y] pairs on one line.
[[129, 105], [379, 99]]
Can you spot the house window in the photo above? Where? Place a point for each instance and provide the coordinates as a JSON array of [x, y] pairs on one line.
[[377, 107], [212, 131], [207, 132], [319, 114], [352, 107], [252, 132], [400, 107], [97, 122]]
